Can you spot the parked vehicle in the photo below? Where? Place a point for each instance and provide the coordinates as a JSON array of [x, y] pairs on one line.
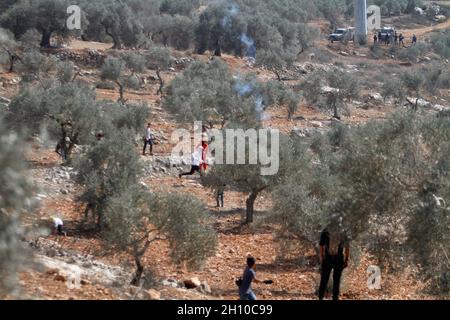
[[385, 34], [342, 34]]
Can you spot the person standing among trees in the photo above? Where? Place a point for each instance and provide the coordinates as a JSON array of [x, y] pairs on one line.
[[414, 39], [62, 148], [334, 255], [148, 140], [220, 195], [401, 38]]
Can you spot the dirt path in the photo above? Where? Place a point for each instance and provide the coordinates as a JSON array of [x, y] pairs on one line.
[[424, 30]]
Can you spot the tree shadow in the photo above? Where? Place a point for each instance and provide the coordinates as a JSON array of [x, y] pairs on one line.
[[306, 263], [232, 222], [34, 164]]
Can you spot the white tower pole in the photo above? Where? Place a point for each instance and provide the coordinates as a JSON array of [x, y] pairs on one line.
[[360, 21]]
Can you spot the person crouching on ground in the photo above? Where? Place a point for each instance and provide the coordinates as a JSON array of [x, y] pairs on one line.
[[58, 226]]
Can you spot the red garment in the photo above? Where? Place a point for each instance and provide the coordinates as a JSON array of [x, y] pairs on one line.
[[204, 164]]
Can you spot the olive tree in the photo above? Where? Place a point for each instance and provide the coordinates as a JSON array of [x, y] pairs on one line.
[[106, 170], [413, 83], [34, 65], [391, 199], [123, 72], [114, 19], [136, 219], [208, 92], [248, 177], [68, 111], [46, 16], [331, 90], [159, 59], [8, 49]]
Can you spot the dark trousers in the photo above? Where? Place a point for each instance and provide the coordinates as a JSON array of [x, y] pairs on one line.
[[60, 231], [194, 169], [219, 199], [146, 143], [335, 263]]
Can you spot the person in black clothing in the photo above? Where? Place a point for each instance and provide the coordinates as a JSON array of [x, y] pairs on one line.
[[220, 195], [375, 39], [401, 38], [334, 255]]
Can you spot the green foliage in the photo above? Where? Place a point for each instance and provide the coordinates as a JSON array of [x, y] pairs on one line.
[[441, 43], [187, 224], [247, 177], [207, 92], [176, 31], [114, 19], [136, 219], [413, 82], [277, 27], [393, 88], [107, 169], [391, 199], [8, 49], [45, 16], [123, 72], [184, 7], [15, 200], [35, 65], [331, 90], [159, 59], [131, 218], [413, 53], [67, 110], [70, 110]]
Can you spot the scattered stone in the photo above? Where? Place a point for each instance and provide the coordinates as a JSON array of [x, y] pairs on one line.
[[153, 294], [52, 271], [170, 283], [440, 18], [192, 283], [316, 124], [85, 282], [205, 288], [4, 100], [60, 277]]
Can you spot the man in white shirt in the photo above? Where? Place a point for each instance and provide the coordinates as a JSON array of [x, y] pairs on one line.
[[196, 161], [148, 140]]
